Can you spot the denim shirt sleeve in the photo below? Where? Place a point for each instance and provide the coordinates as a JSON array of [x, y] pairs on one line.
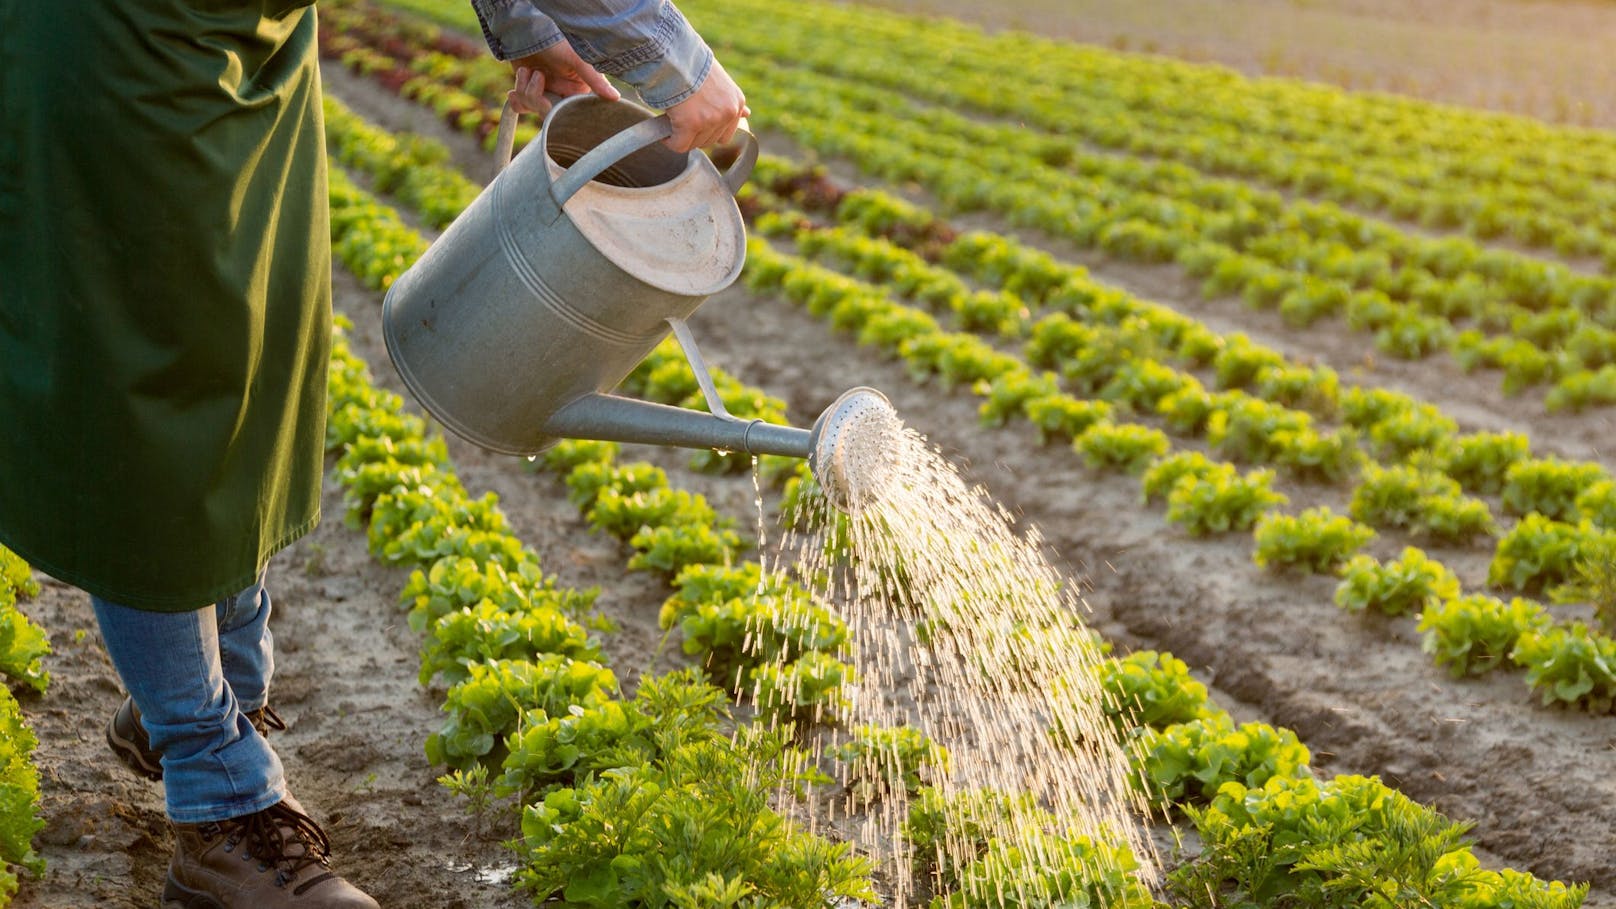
[[646, 43]]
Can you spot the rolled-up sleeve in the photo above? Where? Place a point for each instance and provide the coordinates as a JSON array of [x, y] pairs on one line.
[[646, 43]]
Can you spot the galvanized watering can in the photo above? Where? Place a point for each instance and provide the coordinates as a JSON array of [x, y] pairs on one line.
[[578, 259]]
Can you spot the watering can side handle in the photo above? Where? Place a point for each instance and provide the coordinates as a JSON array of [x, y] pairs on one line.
[[740, 170], [505, 139]]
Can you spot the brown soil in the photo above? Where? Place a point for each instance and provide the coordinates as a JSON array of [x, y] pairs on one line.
[[1537, 782]]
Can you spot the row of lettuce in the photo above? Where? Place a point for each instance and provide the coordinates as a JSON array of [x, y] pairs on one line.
[[1416, 494], [1348, 148], [718, 607], [23, 647], [1533, 321], [1139, 355]]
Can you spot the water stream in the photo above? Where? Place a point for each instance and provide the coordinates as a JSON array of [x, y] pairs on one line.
[[962, 629]]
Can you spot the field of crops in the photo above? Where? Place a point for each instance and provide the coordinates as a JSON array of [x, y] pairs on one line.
[[1313, 393]]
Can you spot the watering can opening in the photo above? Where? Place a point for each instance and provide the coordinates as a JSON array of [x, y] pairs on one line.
[[580, 125]]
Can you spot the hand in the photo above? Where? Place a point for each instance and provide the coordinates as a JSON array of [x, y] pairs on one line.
[[558, 70], [710, 116]]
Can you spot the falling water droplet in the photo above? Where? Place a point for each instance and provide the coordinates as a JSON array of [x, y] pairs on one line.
[[962, 629]]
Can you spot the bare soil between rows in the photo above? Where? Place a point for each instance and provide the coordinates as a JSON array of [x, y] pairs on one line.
[[1538, 783]]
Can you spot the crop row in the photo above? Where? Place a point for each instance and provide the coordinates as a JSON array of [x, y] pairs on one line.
[[532, 712], [1002, 863], [764, 637], [1319, 143], [23, 647], [1204, 496], [1402, 497], [1535, 321], [1137, 356]]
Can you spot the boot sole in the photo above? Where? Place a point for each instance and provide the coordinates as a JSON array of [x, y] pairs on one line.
[[176, 896], [129, 753]]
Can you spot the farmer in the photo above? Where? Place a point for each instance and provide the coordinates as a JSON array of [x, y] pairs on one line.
[[165, 321]]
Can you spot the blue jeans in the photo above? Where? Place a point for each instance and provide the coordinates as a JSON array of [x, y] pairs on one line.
[[193, 675]]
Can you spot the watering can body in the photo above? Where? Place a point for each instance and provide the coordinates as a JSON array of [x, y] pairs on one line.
[[573, 264]]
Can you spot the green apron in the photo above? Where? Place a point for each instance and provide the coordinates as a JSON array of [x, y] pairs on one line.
[[165, 297]]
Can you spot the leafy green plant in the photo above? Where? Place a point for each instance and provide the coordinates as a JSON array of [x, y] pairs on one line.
[[668, 548], [1417, 428], [1583, 389], [734, 635], [1539, 553], [1315, 389], [644, 835], [1549, 487], [1480, 461], [1573, 666], [1007, 395], [1597, 504], [1141, 384], [1164, 473], [623, 516], [1424, 502], [1349, 841], [1034, 869], [1405, 585], [1308, 454], [486, 632], [1411, 336], [1127, 446], [1241, 361], [1222, 500], [1593, 580], [19, 796], [568, 454], [547, 750], [486, 707], [1064, 417], [1248, 429], [1316, 541], [1188, 762], [586, 480], [950, 829], [882, 760], [1363, 407], [453, 583], [23, 645], [1150, 690], [809, 689], [17, 575], [421, 526], [1474, 634]]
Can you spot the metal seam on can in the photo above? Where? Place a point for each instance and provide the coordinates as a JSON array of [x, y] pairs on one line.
[[535, 283]]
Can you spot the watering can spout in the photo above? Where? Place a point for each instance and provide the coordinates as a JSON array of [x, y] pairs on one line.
[[611, 418], [849, 449]]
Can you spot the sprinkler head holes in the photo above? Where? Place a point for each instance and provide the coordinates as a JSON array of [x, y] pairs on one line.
[[853, 448]]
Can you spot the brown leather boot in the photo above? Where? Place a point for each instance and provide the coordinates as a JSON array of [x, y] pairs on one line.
[[128, 740], [278, 858]]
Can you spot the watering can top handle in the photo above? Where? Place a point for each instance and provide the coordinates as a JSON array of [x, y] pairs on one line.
[[618, 147]]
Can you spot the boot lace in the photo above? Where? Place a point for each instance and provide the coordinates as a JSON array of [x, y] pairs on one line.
[[265, 718], [285, 840]]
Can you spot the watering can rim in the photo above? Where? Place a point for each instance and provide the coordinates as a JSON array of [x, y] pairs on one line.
[[610, 216]]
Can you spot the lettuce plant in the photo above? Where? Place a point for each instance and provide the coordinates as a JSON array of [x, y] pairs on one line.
[[1316, 541]]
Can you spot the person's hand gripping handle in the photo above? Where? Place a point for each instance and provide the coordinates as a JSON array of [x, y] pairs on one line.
[[708, 117]]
